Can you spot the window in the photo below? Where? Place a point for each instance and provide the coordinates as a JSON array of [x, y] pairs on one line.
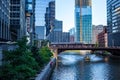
[[29, 0]]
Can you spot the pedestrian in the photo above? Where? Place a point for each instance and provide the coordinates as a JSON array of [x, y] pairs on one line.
[[51, 64]]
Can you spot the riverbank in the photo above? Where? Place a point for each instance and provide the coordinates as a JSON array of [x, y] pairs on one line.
[[106, 54], [46, 72]]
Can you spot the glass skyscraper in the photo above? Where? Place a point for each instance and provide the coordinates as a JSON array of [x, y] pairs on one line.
[[83, 21], [5, 20], [17, 19], [40, 11], [113, 22], [50, 18]]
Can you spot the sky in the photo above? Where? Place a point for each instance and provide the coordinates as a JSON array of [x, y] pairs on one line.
[[65, 12]]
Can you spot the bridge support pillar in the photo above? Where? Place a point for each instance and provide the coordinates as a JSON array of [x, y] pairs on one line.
[[55, 53]]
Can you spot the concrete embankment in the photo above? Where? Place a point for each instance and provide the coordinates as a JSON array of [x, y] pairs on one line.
[[46, 72]]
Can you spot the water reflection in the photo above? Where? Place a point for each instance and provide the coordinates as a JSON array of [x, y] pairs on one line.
[[73, 67]]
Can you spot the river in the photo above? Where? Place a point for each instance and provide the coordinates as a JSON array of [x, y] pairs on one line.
[[72, 66]]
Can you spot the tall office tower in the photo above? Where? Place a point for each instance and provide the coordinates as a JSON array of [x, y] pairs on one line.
[[113, 22], [65, 37], [17, 19], [72, 34], [30, 20], [40, 32], [4, 20], [83, 21], [56, 34], [40, 11], [33, 3], [50, 18], [58, 25]]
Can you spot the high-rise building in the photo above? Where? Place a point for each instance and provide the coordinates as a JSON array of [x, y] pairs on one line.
[[17, 19], [58, 26], [40, 11], [113, 22], [102, 38], [56, 34], [72, 34], [5, 20], [50, 18], [83, 21], [19, 10], [65, 37], [95, 31], [30, 20], [40, 30]]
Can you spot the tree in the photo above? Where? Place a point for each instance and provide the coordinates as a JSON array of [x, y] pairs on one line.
[[19, 63], [45, 54], [44, 43]]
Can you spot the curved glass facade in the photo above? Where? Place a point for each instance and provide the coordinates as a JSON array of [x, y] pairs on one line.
[[83, 21]]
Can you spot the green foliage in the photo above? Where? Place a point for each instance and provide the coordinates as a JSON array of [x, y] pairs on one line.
[[44, 43], [23, 62], [97, 44], [36, 55], [45, 54], [19, 63], [42, 56]]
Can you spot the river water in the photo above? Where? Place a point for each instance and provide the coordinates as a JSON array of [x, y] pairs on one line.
[[72, 66]]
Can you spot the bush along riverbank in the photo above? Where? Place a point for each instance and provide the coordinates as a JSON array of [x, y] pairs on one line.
[[24, 62]]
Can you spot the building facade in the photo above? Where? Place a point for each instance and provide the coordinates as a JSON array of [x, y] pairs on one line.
[[65, 37], [40, 11], [50, 18], [102, 38], [58, 25], [95, 31], [72, 34], [40, 30], [83, 21], [30, 21], [56, 34], [113, 22], [17, 19], [5, 20]]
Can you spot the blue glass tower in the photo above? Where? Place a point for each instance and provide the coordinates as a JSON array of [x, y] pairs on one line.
[[83, 21]]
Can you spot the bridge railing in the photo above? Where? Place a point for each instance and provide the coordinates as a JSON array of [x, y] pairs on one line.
[[80, 46]]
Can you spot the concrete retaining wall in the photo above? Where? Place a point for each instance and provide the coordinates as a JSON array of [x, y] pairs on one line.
[[46, 72]]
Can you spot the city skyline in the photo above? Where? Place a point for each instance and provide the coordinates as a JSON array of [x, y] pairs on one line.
[[66, 13]]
